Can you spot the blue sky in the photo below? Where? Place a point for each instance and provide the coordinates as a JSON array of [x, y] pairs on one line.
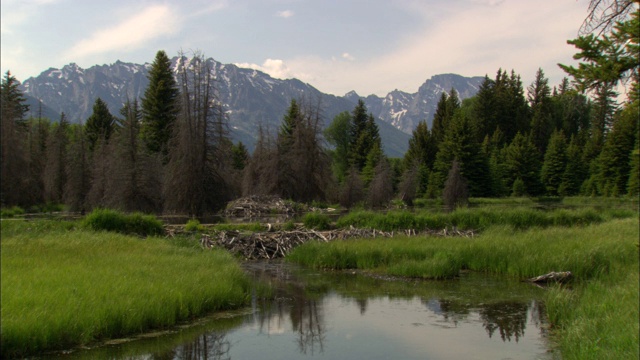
[[371, 46]]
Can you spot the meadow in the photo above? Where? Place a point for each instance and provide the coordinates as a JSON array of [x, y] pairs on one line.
[[65, 285]]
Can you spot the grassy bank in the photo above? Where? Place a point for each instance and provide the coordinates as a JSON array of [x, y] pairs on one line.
[[519, 217], [63, 287], [598, 318]]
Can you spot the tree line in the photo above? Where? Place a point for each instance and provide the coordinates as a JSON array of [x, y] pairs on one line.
[[171, 152]]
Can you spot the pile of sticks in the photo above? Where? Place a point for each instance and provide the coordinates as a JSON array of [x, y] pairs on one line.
[[255, 206], [277, 244]]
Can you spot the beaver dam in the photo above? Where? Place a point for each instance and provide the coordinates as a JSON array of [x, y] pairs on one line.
[[277, 244]]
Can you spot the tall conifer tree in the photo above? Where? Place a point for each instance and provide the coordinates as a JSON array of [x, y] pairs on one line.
[[160, 106]]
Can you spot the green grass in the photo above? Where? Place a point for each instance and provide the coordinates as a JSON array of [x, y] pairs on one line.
[[112, 220], [64, 288], [597, 318], [519, 218], [316, 221], [11, 212]]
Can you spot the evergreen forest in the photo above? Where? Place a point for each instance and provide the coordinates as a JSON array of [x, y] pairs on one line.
[[170, 152]]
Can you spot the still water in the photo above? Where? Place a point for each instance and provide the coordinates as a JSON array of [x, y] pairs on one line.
[[320, 315]]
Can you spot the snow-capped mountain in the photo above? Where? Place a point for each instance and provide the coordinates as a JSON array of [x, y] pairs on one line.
[[251, 97], [404, 110]]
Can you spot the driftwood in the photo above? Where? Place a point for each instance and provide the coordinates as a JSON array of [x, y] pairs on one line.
[[276, 244], [560, 277]]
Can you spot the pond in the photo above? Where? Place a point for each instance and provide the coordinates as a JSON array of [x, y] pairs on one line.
[[349, 315]]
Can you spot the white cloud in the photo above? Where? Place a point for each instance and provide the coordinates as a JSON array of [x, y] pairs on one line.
[[285, 14], [475, 38], [348, 56], [274, 67], [152, 22]]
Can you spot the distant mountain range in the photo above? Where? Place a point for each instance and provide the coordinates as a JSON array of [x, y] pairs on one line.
[[250, 96]]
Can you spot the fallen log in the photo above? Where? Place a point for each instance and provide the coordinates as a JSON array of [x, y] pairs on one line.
[[559, 277]]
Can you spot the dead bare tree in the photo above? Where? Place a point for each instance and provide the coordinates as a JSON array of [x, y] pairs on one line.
[[456, 192], [303, 164], [135, 175], [54, 176], [381, 186], [352, 191], [260, 174], [78, 172], [194, 182], [603, 15]]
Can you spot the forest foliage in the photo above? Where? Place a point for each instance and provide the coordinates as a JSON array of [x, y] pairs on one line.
[[172, 151]]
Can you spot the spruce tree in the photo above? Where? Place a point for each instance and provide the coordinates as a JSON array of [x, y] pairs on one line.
[[555, 164], [160, 106], [100, 125], [440, 119], [339, 136], [13, 189], [364, 135], [614, 160], [422, 147], [240, 156], [575, 171], [460, 142], [541, 108], [523, 165]]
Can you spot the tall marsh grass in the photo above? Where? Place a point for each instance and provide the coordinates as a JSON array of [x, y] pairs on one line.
[[112, 220], [519, 218], [65, 288]]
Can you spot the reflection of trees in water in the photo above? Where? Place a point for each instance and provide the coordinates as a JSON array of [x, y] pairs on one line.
[[362, 305], [308, 322], [510, 318], [212, 345]]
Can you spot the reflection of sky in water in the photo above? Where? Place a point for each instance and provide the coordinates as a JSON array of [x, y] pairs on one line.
[[333, 316], [388, 329]]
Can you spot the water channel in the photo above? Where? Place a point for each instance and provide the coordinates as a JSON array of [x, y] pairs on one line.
[[347, 315]]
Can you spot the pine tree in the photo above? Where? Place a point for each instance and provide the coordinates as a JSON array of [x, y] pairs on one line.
[[364, 135], [100, 125], [541, 108], [555, 164], [575, 171], [13, 189], [522, 166], [160, 106], [460, 142], [440, 119], [240, 156], [339, 136], [614, 160], [422, 147]]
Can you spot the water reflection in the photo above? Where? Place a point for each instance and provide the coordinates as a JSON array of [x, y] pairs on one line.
[[343, 315]]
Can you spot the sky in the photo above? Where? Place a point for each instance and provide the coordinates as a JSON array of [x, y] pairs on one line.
[[370, 46]]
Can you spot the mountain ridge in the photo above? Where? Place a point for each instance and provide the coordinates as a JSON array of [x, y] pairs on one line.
[[251, 97]]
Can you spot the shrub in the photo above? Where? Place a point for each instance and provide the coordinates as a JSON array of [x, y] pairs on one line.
[[193, 225], [11, 212], [316, 221], [111, 220]]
